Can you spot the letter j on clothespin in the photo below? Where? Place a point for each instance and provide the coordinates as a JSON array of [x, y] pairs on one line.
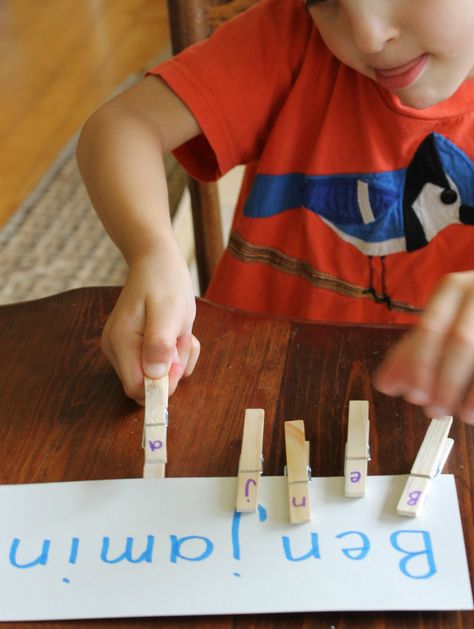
[[298, 472], [251, 461], [357, 449], [155, 427], [429, 462]]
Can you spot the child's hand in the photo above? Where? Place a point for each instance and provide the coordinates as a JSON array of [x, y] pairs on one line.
[[149, 330], [433, 365]]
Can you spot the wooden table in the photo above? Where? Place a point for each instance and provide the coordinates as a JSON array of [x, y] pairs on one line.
[[64, 416]]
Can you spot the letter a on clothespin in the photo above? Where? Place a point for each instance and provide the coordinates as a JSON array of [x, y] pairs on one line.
[[155, 427], [298, 472], [357, 449], [429, 462], [251, 459]]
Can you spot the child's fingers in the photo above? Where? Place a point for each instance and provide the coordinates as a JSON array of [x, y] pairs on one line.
[[141, 335], [126, 360], [466, 412], [159, 340], [427, 347], [447, 324], [456, 363], [433, 365], [158, 351], [193, 356], [408, 369], [166, 347], [187, 354]]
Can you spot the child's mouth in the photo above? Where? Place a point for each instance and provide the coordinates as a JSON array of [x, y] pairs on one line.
[[401, 76]]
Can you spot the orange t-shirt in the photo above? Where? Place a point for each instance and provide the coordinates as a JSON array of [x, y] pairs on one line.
[[353, 206]]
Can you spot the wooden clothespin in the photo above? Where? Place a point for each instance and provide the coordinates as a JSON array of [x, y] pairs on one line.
[[357, 449], [155, 427], [298, 472], [251, 460], [429, 462]]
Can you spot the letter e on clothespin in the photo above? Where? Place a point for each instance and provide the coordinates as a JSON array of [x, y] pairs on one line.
[[250, 463], [357, 453], [298, 472], [155, 427], [429, 462]]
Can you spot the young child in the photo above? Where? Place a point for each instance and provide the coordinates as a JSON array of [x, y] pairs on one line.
[[355, 119]]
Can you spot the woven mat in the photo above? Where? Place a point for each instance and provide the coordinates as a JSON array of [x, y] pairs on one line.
[[55, 242]]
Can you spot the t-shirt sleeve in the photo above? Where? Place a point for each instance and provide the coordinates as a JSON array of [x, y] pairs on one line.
[[236, 82]]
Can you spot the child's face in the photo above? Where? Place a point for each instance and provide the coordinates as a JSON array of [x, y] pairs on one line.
[[422, 50]]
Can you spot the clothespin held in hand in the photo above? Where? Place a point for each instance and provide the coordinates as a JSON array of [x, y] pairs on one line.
[[429, 462], [251, 461], [298, 471], [357, 449], [155, 427]]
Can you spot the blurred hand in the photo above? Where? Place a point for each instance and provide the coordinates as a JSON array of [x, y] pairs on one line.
[[433, 365]]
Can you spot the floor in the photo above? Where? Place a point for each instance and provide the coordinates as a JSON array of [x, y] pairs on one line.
[[60, 60]]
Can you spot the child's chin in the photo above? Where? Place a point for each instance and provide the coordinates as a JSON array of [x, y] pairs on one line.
[[423, 98]]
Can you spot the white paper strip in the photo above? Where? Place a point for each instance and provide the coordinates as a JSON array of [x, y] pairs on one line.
[[147, 547]]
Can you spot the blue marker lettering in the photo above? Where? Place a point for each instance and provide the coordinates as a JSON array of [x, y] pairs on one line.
[[262, 513], [177, 542], [313, 552], [74, 550], [357, 552], [262, 516], [146, 555], [42, 559], [420, 569], [155, 445], [235, 535]]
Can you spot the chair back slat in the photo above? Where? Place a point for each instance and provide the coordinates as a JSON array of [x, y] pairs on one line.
[[194, 20]]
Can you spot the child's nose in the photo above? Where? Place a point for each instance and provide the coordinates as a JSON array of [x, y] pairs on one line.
[[371, 31]]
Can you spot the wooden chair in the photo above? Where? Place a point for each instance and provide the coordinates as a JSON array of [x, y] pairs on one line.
[[192, 21]]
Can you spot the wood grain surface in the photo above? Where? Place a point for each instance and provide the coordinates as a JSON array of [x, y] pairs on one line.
[[64, 417], [61, 59]]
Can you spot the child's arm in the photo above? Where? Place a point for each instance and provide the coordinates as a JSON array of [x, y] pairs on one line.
[[120, 156], [433, 365]]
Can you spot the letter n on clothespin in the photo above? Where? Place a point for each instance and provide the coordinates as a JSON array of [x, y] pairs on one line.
[[251, 459], [298, 472], [429, 462], [357, 449], [155, 427]]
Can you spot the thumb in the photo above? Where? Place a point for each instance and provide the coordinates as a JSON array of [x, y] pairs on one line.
[[159, 344]]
